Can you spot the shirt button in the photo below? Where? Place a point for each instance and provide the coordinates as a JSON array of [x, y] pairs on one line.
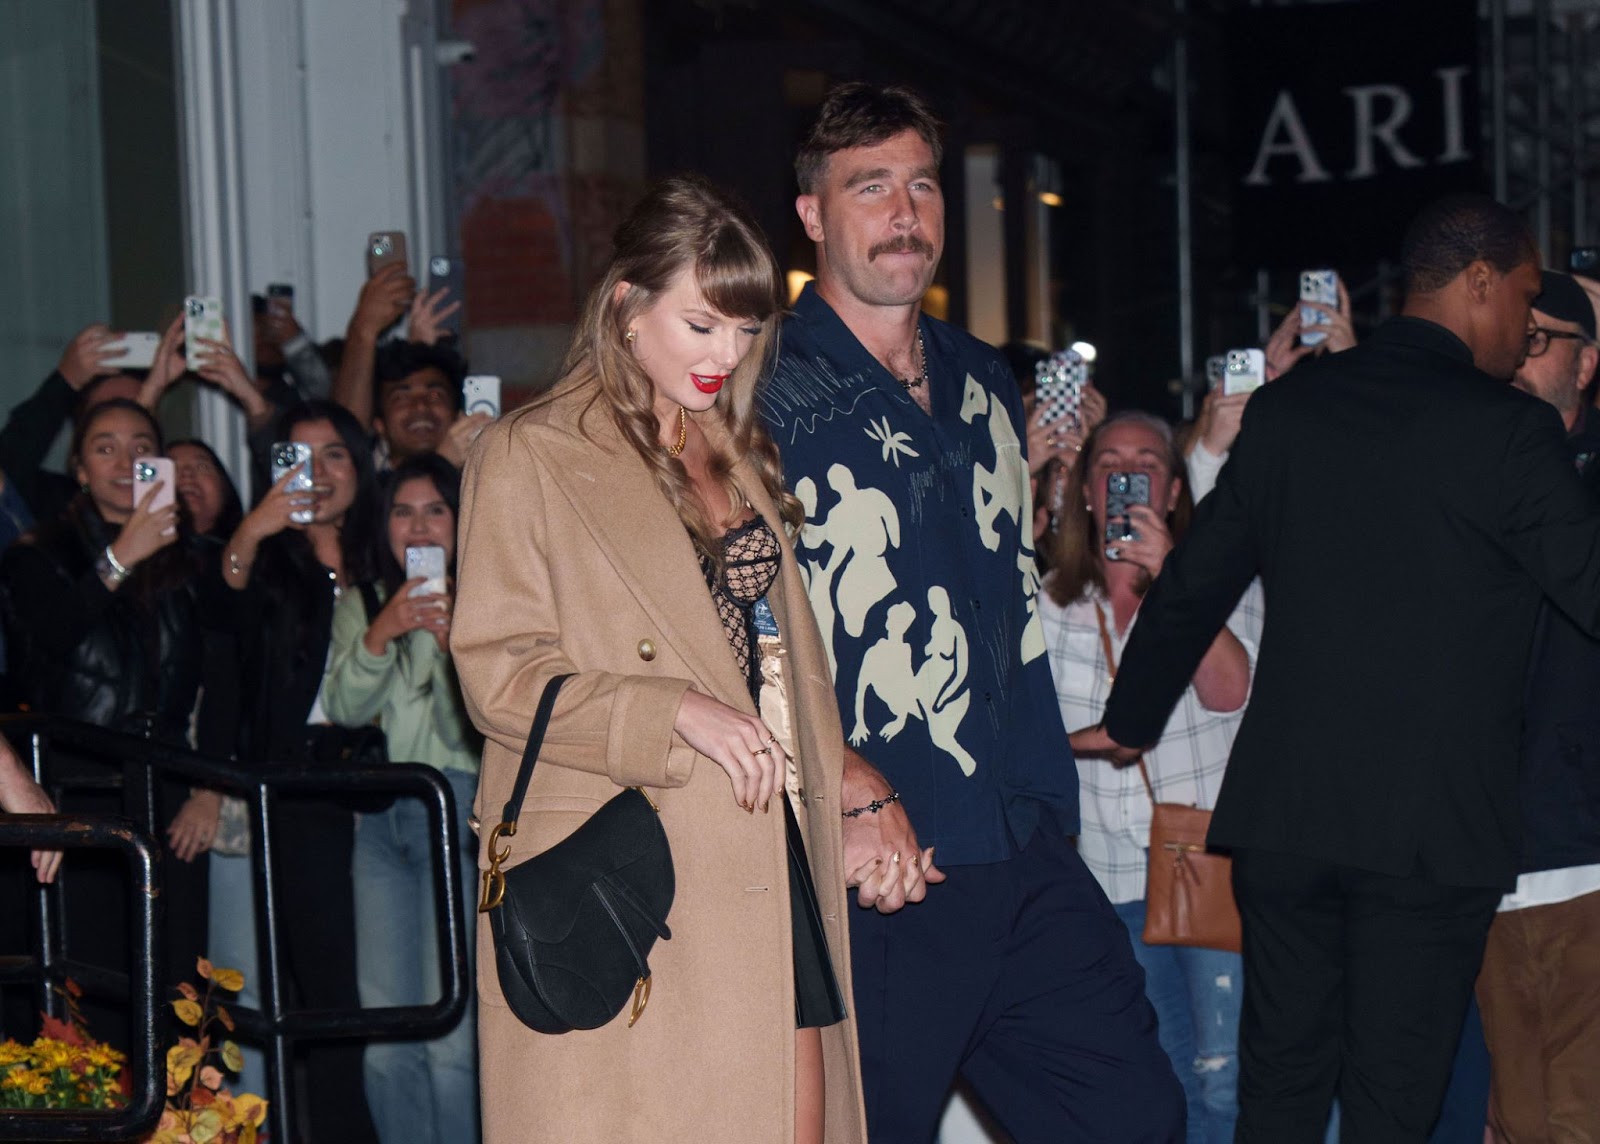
[[987, 698], [647, 650]]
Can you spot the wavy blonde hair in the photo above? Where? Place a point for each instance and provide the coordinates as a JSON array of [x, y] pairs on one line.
[[684, 223]]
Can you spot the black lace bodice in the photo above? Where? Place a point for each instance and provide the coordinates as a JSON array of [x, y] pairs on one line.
[[750, 555]]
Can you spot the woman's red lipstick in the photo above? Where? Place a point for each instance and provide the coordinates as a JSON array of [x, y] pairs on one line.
[[708, 384]]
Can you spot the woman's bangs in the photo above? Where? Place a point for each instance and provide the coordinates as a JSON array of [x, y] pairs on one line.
[[738, 280]]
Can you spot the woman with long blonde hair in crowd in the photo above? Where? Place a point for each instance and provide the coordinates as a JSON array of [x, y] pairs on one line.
[[631, 527]]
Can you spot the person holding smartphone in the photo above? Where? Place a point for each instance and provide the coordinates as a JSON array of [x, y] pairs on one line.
[[390, 664], [292, 572], [104, 626], [1089, 607]]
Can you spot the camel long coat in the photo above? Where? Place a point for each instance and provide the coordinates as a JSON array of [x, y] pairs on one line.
[[572, 561]]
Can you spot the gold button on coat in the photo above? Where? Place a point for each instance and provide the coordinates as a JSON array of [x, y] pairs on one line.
[[647, 650]]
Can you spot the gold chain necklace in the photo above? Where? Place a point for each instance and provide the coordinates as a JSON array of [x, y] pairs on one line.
[[683, 433]]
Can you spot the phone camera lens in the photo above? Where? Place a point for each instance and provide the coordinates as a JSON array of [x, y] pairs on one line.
[[439, 266]]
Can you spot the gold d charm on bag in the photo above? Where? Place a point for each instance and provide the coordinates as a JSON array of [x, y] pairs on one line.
[[641, 998], [494, 882]]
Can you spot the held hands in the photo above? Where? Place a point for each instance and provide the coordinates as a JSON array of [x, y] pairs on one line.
[[407, 613], [384, 297], [85, 357], [195, 825], [881, 855], [147, 531], [738, 743]]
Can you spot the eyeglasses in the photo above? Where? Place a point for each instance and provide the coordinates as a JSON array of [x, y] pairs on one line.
[[1539, 339]]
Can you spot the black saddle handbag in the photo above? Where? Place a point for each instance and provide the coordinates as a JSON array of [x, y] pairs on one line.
[[573, 927]]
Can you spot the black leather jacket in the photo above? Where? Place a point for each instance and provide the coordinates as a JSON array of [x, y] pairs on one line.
[[116, 659]]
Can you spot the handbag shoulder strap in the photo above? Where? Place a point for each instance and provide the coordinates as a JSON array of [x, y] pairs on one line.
[[530, 753], [1111, 673]]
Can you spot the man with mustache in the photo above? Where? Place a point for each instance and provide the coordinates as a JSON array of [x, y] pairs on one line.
[[1008, 966]]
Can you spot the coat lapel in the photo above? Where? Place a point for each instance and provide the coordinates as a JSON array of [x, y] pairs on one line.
[[638, 532]]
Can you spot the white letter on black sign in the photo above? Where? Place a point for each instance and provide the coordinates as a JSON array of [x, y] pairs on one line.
[[1367, 130], [1455, 148], [1285, 119]]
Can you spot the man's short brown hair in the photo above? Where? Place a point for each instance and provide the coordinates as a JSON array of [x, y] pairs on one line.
[[863, 115]]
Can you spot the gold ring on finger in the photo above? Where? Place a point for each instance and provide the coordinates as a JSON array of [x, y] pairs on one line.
[[764, 751]]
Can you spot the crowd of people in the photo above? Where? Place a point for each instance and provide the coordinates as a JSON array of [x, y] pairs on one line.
[[903, 725]]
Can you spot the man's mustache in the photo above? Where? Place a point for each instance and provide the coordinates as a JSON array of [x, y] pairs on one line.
[[905, 244]]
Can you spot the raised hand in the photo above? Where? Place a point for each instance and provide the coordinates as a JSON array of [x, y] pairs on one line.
[[428, 313], [148, 530], [86, 355], [384, 297]]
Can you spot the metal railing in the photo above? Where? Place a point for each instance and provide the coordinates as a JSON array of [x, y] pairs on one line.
[[139, 1115], [274, 1024]]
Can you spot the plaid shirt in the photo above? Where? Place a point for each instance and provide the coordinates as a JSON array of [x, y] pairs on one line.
[[1185, 766]]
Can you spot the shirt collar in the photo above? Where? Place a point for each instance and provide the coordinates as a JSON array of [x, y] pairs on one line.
[[828, 327], [1420, 332]]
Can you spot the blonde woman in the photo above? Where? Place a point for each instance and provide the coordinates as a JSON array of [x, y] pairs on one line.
[[632, 527]]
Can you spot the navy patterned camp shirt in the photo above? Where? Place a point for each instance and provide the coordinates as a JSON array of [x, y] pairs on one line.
[[918, 556]]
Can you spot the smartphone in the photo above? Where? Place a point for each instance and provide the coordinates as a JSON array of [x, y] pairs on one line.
[[1243, 371], [427, 561], [134, 351], [288, 455], [1123, 490], [146, 472], [445, 274], [1584, 260], [1058, 386], [202, 318], [480, 393], [385, 247], [1317, 286], [1216, 370], [280, 299]]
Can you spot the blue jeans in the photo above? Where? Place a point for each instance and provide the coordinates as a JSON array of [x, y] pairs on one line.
[[1198, 995], [232, 930], [420, 1092]]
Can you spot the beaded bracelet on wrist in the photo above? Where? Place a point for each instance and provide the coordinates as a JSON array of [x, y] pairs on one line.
[[872, 807]]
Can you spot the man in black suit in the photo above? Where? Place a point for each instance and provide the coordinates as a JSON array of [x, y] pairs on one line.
[[1405, 509]]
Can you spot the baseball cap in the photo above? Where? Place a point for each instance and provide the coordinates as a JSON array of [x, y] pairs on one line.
[[1564, 300]]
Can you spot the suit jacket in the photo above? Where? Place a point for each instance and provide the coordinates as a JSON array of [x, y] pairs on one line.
[[571, 560], [1405, 512]]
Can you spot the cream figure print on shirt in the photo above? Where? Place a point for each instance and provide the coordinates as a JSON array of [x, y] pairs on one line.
[[1003, 489], [861, 528], [933, 692]]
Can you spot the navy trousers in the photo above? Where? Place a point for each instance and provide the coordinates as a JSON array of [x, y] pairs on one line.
[[1019, 977]]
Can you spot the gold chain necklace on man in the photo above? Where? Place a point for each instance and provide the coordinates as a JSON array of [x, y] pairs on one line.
[[683, 433], [910, 383]]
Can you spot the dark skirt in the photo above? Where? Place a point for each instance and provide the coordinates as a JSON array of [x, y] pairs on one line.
[[817, 1000]]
